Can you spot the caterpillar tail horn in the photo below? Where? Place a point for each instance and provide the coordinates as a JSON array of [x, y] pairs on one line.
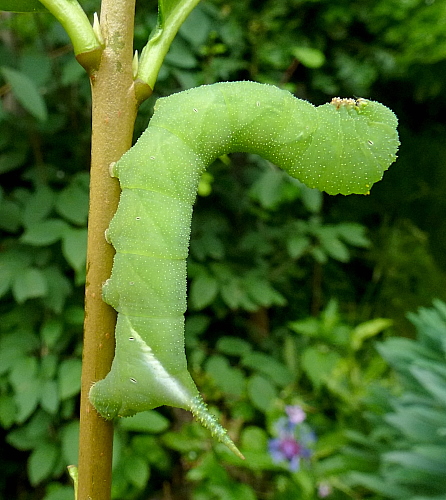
[[200, 412]]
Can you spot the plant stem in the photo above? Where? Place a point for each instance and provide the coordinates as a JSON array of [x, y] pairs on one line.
[[72, 17], [113, 116], [153, 53]]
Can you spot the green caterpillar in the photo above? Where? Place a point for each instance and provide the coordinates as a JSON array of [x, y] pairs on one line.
[[341, 147]]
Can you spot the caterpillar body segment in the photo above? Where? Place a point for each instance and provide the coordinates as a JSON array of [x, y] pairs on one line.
[[342, 147]]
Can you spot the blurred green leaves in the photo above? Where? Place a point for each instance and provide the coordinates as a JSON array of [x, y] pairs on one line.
[[148, 421], [256, 377], [336, 357], [21, 5], [265, 252], [412, 464], [41, 462], [45, 232], [25, 92], [26, 264], [69, 378], [43, 245], [312, 58]]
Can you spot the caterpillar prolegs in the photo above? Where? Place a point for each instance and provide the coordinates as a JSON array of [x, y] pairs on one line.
[[342, 147]]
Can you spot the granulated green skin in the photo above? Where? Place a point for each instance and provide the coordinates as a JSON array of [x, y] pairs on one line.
[[338, 149]]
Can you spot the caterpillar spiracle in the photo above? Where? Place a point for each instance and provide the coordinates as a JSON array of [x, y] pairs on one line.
[[341, 147]]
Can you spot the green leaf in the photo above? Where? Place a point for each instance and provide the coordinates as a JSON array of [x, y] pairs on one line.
[[261, 392], [268, 189], [435, 453], [417, 423], [22, 6], [416, 461], [262, 293], [367, 330], [319, 255], [353, 234], [48, 365], [72, 202], [203, 291], [74, 247], [196, 324], [8, 411], [331, 243], [27, 395], [59, 287], [136, 470], [208, 467], [69, 378], [433, 383], [233, 346], [14, 347], [51, 332], [254, 439], [29, 436], [10, 214], [232, 293], [45, 232], [151, 448], [375, 483], [72, 72], [147, 421], [183, 442], [309, 57], [208, 245], [267, 365], [23, 372], [308, 326], [181, 56], [319, 363], [8, 269], [38, 206], [297, 245], [240, 491], [230, 380], [37, 66], [26, 92], [57, 492], [10, 160], [42, 462], [311, 198], [74, 315], [49, 399], [29, 284], [242, 410], [70, 442], [399, 352], [196, 27]]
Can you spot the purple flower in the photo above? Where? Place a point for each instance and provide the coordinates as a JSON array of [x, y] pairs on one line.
[[294, 439], [307, 436], [295, 414], [285, 449], [284, 427]]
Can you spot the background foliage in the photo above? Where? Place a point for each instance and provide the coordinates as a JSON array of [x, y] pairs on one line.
[[288, 287], [404, 454]]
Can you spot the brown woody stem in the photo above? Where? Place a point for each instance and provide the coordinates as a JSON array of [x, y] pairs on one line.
[[114, 112]]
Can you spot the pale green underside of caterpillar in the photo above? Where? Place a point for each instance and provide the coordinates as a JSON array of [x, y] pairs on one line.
[[342, 147]]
